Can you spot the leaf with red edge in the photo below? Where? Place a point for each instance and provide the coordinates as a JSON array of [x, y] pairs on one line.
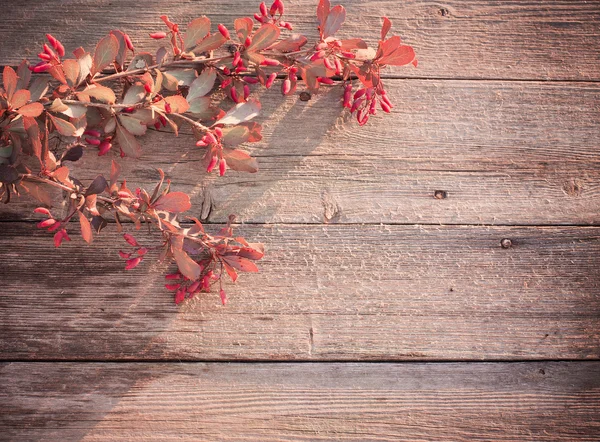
[[196, 31], [20, 98], [243, 28], [322, 12], [186, 265], [63, 127], [387, 24], [86, 228], [239, 263], [24, 75], [9, 79], [105, 53], [174, 202], [210, 43], [266, 35], [240, 160], [178, 104], [115, 171], [71, 69], [129, 144], [31, 110], [39, 191], [291, 44], [334, 21]]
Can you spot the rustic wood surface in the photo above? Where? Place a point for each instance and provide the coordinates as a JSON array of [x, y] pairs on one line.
[[505, 153], [323, 293], [385, 402], [544, 40], [369, 281]]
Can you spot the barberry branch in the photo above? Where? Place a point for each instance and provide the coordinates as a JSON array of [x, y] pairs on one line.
[[44, 126]]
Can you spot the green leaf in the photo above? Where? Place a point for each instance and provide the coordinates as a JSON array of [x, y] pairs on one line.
[[240, 160], [131, 147], [243, 27], [105, 53], [133, 125], [240, 113], [134, 95], [210, 43], [196, 31], [202, 85], [264, 37], [334, 21]]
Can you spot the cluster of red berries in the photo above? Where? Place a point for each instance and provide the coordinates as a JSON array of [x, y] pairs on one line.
[[53, 225], [183, 287], [364, 102]]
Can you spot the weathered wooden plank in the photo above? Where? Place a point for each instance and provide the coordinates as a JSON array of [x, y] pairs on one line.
[[384, 402], [323, 293], [454, 39], [505, 153]]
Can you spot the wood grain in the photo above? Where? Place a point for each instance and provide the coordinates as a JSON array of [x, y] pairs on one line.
[[323, 293], [505, 153], [383, 402], [547, 40]]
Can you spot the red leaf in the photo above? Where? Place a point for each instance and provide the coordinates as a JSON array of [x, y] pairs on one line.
[[290, 44], [387, 24], [400, 56], [20, 98], [230, 271], [186, 265], [31, 110], [86, 228], [63, 127], [174, 202], [323, 12], [9, 78], [239, 263]]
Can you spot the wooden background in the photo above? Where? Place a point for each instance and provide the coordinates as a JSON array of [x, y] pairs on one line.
[[380, 312]]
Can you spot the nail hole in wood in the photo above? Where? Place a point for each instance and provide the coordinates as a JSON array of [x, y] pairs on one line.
[[440, 194], [506, 243], [305, 96]]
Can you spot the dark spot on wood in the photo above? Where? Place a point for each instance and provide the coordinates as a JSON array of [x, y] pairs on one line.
[[305, 96], [265, 318], [573, 188], [506, 243], [440, 194], [444, 12], [451, 289], [542, 371]]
